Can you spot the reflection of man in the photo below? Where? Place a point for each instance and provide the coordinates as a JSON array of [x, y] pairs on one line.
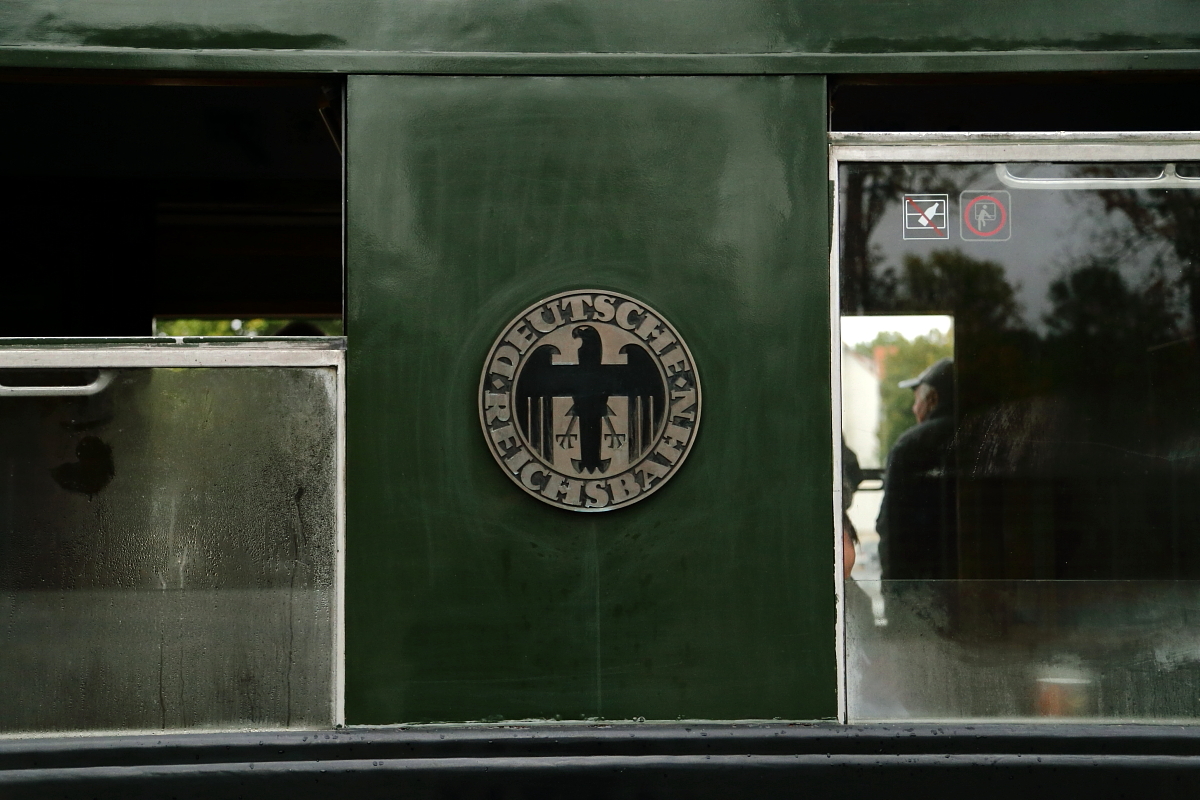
[[918, 530]]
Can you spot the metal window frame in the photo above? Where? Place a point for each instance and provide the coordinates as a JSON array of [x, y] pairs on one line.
[[954, 147], [218, 352]]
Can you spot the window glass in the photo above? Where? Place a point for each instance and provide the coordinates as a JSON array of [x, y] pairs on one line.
[[1036, 550], [167, 541]]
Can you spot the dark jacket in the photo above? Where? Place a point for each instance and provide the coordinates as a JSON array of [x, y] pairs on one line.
[[918, 519]]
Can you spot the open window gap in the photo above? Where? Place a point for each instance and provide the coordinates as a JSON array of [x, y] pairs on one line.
[[137, 199]]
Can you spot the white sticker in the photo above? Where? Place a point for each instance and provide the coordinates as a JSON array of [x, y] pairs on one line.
[[926, 217]]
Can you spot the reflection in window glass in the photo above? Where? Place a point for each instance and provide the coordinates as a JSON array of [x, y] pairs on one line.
[[168, 548], [1037, 552]]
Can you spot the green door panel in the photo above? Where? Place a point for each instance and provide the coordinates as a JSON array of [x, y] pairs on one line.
[[602, 26], [469, 198]]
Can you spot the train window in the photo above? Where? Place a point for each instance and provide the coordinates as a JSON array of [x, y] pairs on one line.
[[1022, 377], [170, 504], [134, 198], [169, 535]]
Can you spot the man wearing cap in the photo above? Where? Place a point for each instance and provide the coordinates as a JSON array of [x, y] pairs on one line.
[[918, 521]]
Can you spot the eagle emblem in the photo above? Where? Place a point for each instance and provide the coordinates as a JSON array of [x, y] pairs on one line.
[[589, 400]]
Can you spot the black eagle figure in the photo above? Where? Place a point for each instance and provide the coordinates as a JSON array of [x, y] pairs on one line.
[[589, 384]]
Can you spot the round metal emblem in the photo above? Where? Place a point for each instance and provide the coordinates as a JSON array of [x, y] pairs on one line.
[[589, 400]]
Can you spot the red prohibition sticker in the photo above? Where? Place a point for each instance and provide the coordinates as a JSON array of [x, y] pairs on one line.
[[985, 216]]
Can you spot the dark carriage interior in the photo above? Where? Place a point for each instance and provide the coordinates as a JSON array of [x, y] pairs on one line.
[[131, 197], [1018, 102]]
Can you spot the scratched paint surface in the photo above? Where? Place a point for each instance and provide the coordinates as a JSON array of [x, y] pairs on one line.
[[469, 199]]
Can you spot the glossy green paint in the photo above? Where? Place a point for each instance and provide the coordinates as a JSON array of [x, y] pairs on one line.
[[605, 26], [393, 62], [469, 199]]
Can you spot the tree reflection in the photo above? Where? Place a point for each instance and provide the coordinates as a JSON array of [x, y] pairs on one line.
[[1079, 441], [868, 193], [1100, 328], [974, 290], [1165, 218]]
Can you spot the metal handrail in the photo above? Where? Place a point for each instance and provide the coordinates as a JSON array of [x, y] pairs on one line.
[[1167, 179], [98, 385]]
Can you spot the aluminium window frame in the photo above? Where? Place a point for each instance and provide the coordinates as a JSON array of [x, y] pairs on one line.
[[945, 148], [208, 353]]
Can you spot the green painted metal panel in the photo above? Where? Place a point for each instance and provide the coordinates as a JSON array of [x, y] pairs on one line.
[[471, 198], [483, 63], [605, 26]]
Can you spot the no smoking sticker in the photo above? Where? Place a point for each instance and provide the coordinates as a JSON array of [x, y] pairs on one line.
[[985, 216]]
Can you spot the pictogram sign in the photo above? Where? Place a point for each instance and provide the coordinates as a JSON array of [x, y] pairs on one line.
[[926, 217], [986, 216]]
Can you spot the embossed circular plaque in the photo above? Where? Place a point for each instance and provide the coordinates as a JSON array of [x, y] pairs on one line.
[[589, 400]]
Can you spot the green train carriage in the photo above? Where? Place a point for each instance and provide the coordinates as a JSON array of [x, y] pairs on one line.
[[313, 555]]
